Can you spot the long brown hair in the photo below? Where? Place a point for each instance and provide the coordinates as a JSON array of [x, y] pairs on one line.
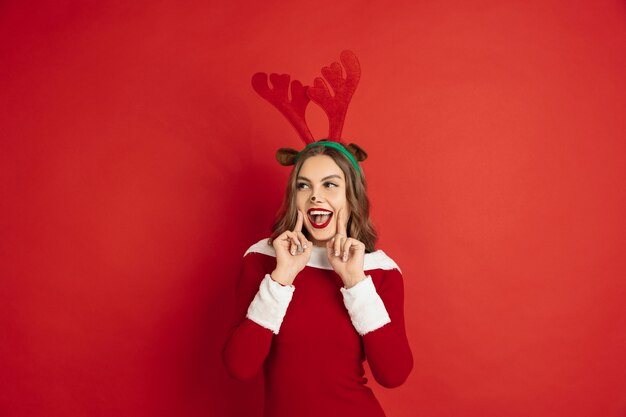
[[359, 225]]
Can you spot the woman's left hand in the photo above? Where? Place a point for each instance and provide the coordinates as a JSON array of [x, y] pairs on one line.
[[346, 255]]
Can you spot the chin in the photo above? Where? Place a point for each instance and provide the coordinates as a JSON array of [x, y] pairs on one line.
[[320, 236]]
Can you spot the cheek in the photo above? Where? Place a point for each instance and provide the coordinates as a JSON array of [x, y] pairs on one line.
[[300, 200], [340, 202]]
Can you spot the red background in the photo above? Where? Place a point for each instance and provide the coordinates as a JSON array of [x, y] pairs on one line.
[[137, 165]]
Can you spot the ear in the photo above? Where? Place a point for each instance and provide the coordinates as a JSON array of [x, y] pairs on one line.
[[358, 152], [286, 156]]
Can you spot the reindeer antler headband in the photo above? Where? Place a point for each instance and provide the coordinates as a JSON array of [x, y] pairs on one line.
[[335, 106]]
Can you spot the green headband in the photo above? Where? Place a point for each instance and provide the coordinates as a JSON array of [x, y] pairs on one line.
[[334, 145]]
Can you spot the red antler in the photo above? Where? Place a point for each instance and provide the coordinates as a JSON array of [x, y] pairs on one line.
[[337, 106], [293, 110]]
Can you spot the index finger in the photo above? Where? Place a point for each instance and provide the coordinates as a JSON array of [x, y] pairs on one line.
[[299, 222], [341, 225]]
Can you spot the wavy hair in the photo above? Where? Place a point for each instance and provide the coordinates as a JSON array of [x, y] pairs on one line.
[[359, 225]]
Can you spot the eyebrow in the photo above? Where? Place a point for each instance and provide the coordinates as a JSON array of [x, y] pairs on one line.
[[323, 179]]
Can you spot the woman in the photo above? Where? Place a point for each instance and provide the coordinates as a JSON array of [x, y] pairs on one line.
[[348, 307]]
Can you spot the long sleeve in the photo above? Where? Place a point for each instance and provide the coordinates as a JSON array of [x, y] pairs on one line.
[[249, 342], [387, 348], [366, 308], [309, 343]]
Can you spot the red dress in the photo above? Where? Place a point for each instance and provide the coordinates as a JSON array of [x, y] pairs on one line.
[[311, 338]]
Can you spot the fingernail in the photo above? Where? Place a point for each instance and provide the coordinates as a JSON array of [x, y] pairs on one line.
[[304, 246], [293, 251], [336, 253], [345, 257]]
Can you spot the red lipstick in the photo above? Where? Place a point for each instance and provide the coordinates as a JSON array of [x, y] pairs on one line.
[[314, 213]]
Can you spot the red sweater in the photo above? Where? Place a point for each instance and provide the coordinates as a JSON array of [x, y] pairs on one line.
[[313, 366]]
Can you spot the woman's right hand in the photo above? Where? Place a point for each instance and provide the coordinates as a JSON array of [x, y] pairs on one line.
[[293, 252]]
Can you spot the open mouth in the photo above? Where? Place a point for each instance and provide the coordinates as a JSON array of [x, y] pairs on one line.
[[319, 218]]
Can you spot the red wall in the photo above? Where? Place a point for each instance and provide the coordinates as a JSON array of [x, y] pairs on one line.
[[137, 165]]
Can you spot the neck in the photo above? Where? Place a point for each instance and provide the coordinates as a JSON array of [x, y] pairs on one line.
[[319, 244]]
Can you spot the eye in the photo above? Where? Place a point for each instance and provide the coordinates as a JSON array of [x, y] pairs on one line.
[[301, 185], [330, 185]]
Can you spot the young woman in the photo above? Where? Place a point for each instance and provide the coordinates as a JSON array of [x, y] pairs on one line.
[[316, 299]]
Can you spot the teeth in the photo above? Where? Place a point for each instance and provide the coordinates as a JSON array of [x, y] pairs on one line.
[[319, 212]]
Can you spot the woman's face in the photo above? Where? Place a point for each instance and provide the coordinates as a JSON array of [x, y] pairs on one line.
[[320, 194]]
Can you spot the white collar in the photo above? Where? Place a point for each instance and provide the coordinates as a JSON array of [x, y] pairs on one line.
[[374, 260]]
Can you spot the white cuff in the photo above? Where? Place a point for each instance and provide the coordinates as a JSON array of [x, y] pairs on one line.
[[270, 304], [366, 308]]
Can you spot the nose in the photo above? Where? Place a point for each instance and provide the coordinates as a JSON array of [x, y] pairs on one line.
[[315, 196]]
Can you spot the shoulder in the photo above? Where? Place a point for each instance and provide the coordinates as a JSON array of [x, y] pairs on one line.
[[386, 275], [379, 260], [260, 257], [257, 261], [262, 247]]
